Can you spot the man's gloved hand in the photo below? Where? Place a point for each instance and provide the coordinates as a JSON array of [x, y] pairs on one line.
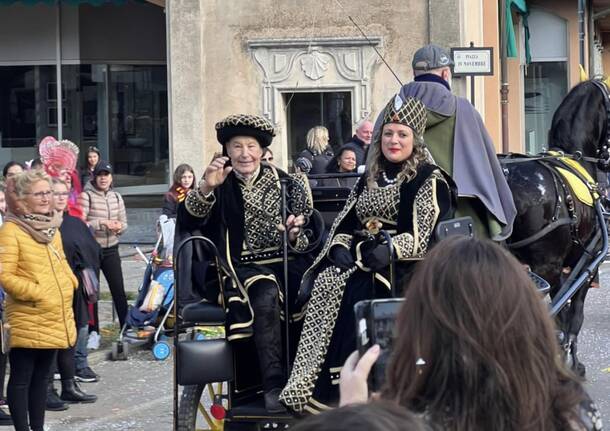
[[341, 257], [375, 256]]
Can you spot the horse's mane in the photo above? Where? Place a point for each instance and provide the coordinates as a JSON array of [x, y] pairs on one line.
[[579, 121]]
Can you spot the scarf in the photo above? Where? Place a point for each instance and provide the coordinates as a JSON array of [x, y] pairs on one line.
[[431, 77], [41, 227]]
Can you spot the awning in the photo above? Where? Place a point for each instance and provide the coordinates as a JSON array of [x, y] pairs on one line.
[[66, 2], [511, 43]]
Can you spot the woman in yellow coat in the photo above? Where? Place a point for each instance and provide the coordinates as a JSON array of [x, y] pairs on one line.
[[39, 286]]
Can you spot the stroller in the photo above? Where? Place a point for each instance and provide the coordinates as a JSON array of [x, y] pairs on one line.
[[147, 318]]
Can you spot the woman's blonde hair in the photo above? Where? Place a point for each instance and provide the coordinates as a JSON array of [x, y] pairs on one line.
[[23, 181], [374, 161], [317, 139]]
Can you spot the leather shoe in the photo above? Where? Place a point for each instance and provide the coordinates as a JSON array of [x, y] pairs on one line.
[[71, 393], [272, 401], [54, 403]]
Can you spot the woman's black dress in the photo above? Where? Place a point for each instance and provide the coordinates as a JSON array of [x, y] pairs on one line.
[[408, 211]]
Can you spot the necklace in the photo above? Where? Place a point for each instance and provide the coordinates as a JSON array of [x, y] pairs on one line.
[[387, 180]]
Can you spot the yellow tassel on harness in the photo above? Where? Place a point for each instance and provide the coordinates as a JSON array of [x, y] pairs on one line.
[[584, 191]]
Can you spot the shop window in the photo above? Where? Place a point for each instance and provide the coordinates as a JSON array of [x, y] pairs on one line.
[[546, 77], [332, 110], [28, 108]]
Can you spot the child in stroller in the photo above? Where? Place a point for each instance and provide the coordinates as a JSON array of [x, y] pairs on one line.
[[147, 318]]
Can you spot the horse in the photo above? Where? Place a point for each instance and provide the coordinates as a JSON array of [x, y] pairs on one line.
[[552, 227]]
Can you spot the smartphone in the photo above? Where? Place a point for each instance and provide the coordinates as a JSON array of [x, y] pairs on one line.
[[228, 163], [455, 226], [375, 322]]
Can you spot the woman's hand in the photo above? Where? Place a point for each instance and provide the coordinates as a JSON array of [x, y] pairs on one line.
[[353, 385]]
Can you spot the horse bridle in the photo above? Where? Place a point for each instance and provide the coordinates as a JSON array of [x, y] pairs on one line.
[[603, 155]]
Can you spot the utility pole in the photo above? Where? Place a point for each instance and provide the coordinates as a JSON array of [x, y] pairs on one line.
[[503, 75]]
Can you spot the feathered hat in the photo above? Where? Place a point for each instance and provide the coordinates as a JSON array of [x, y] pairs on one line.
[[57, 155]]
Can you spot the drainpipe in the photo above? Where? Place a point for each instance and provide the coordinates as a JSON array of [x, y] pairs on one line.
[[58, 80], [503, 75], [581, 31]]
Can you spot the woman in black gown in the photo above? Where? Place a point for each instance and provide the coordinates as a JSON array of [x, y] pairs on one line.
[[402, 193]]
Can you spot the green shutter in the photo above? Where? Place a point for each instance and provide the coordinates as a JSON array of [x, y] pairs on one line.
[[511, 43]]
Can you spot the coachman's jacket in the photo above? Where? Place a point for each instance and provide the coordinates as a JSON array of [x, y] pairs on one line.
[[240, 217]]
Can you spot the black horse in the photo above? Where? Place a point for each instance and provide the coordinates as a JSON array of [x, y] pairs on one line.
[[545, 203]]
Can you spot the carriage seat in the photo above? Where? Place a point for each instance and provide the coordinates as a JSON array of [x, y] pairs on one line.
[[203, 313]]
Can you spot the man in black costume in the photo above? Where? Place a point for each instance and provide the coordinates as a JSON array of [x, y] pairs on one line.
[[237, 206]]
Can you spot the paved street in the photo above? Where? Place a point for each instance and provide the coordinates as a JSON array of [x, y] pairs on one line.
[[595, 343], [136, 394]]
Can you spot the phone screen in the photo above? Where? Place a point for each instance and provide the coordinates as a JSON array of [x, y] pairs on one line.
[[375, 320]]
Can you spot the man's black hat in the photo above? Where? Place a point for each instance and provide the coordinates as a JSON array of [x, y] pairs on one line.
[[255, 126]]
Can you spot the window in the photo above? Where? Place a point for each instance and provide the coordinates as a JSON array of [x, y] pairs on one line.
[[546, 77], [332, 110], [26, 112]]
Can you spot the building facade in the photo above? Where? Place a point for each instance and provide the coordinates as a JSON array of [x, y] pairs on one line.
[[299, 63], [110, 57], [146, 80]]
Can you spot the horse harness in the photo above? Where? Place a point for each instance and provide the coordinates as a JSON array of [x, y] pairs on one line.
[[553, 162], [556, 161]]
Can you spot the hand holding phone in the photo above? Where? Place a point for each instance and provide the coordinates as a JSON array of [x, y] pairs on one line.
[[353, 384], [375, 320]]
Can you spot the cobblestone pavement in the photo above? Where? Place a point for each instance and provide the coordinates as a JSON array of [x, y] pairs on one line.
[[134, 395], [137, 394]]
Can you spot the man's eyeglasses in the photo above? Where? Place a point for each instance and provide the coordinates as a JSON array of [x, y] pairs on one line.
[[61, 194], [41, 195]]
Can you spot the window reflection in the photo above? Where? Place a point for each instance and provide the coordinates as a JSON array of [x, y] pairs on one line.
[[546, 84], [121, 109], [138, 124], [28, 109]]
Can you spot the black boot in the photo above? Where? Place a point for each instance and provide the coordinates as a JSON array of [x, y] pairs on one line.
[[5, 418], [268, 340], [54, 403], [71, 393]]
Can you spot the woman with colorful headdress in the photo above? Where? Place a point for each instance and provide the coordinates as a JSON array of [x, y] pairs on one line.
[[401, 193], [59, 160]]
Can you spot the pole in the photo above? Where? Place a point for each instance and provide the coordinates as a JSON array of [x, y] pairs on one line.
[[60, 104], [581, 31], [503, 75], [472, 82], [284, 191]]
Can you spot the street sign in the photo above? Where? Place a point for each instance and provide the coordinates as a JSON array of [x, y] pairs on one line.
[[472, 61]]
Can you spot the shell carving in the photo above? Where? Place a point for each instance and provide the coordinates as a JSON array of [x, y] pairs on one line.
[[313, 65]]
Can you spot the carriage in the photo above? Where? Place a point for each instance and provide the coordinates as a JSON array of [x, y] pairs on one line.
[[220, 386]]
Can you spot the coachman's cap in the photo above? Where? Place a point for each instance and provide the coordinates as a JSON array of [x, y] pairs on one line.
[[431, 57], [410, 112], [245, 125], [102, 166]]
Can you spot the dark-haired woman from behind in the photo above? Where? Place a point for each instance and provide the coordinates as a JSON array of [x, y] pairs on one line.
[[475, 349], [184, 180]]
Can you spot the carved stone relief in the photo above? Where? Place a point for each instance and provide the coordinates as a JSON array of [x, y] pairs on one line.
[[341, 64]]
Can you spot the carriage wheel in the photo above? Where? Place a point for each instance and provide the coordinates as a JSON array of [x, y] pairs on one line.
[[194, 409]]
